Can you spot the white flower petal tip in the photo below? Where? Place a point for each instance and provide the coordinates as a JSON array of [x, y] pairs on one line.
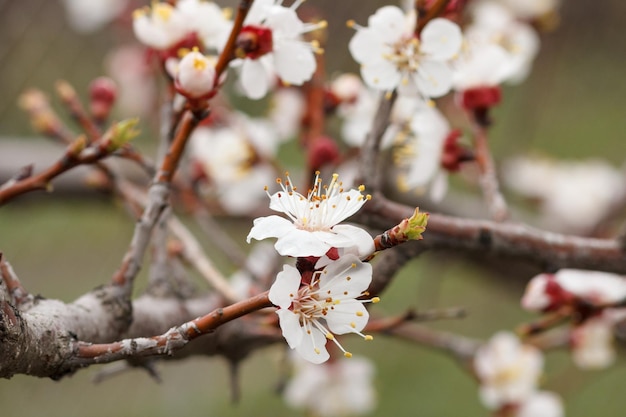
[[311, 315], [311, 230]]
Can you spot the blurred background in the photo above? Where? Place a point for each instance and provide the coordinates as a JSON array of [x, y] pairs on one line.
[[573, 105]]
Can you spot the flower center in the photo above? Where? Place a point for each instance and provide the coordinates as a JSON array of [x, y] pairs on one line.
[[254, 41], [404, 54]]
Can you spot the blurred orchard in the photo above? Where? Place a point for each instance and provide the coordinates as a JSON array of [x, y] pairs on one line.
[[315, 208]]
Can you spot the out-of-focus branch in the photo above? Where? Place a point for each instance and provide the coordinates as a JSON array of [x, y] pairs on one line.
[[228, 53], [369, 164]]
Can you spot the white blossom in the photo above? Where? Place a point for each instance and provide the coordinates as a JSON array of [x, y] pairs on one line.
[[547, 291], [89, 16], [541, 404], [573, 195], [271, 44], [508, 370], [313, 225], [310, 315], [207, 20], [337, 388], [160, 26], [392, 56]]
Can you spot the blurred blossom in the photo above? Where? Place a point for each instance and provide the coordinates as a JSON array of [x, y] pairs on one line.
[[592, 341], [422, 153], [236, 172], [270, 44], [87, 16], [391, 55], [286, 112], [498, 48], [508, 370], [570, 286], [541, 404], [159, 26], [531, 9], [137, 92], [338, 388], [573, 196]]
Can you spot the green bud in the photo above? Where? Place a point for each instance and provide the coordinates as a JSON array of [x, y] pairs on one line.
[[121, 133], [414, 226]]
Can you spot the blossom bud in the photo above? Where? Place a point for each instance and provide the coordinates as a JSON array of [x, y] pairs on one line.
[[481, 97], [196, 75], [102, 94], [121, 133], [322, 150]]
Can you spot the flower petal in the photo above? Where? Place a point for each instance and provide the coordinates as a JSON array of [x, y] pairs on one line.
[[365, 46], [253, 78], [270, 226], [346, 277], [381, 75], [285, 288], [361, 240], [309, 343], [348, 316], [301, 243], [294, 62], [433, 79], [441, 39], [290, 325]]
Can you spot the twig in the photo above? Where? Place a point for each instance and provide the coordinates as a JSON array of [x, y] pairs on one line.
[[18, 293], [194, 255], [460, 347], [368, 169], [496, 203], [227, 54]]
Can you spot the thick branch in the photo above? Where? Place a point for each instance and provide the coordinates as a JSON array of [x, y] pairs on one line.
[[545, 249]]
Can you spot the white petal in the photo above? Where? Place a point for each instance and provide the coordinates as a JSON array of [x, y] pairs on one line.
[[300, 243], [366, 46], [290, 325], [341, 280], [315, 340], [433, 79], [361, 239], [388, 22], [347, 317], [439, 186], [284, 22], [541, 404], [441, 39], [271, 226], [381, 75], [254, 79], [285, 288], [294, 62]]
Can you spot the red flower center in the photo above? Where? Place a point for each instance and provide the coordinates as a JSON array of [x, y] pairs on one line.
[[253, 42]]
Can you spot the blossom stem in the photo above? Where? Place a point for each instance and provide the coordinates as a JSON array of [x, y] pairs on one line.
[[433, 11], [498, 208], [228, 53]]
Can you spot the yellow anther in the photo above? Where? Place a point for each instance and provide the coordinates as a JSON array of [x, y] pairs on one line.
[[353, 325], [330, 336], [359, 314], [347, 354], [361, 187], [316, 350], [350, 23], [375, 300], [368, 197], [368, 337], [199, 64]]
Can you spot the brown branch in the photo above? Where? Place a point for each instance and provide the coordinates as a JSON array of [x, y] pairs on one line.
[[70, 99], [74, 156], [19, 295], [546, 250], [460, 347]]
